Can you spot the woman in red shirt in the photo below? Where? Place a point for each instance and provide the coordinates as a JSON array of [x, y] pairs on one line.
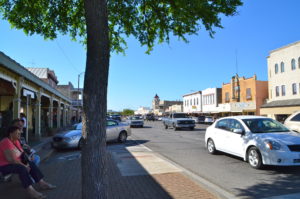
[[10, 162]]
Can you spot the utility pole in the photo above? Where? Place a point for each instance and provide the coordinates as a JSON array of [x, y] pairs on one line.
[[78, 95]]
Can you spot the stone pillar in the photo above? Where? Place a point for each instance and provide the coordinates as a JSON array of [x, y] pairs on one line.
[[17, 98], [58, 114], [50, 119], [64, 116], [38, 115], [70, 114]]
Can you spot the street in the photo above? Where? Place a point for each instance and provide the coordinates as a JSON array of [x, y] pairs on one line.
[[187, 149]]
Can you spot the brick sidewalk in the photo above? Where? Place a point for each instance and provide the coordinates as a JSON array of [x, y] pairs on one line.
[[66, 174]]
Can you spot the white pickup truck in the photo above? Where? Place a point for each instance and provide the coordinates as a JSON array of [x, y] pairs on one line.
[[178, 121]]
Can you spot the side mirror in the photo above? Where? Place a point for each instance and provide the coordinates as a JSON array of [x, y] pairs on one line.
[[239, 131]]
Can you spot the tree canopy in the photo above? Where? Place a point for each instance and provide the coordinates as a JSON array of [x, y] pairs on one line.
[[127, 112], [150, 21]]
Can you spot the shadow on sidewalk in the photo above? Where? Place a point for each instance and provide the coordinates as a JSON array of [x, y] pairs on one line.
[[127, 178]]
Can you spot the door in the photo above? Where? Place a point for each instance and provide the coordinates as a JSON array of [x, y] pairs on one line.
[[220, 135], [111, 130], [236, 141]]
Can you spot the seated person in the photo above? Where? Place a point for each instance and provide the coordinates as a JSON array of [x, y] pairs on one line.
[[10, 162], [33, 157]]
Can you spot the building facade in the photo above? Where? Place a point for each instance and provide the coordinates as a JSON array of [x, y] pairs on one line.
[[192, 102], [211, 98], [161, 107], [45, 74], [243, 96], [176, 108], [23, 92], [142, 111], [75, 94], [284, 82]]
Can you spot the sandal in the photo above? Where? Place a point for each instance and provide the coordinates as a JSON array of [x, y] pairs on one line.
[[47, 186]]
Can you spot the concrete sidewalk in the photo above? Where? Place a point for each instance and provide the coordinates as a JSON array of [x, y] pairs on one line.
[[134, 173]]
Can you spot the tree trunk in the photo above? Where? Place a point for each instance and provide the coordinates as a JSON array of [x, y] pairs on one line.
[[93, 163]]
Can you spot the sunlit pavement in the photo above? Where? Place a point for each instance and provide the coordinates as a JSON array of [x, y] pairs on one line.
[[230, 174]]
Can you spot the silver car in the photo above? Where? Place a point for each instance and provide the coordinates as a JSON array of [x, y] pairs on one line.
[[136, 121], [115, 131]]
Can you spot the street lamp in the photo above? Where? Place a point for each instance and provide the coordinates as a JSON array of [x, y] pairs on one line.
[[79, 95], [79, 80]]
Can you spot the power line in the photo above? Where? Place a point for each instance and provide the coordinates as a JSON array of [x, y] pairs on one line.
[[63, 52]]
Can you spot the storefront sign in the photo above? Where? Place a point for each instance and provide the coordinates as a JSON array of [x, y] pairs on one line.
[[28, 92]]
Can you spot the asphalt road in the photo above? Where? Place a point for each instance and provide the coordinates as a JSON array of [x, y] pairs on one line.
[[187, 148]]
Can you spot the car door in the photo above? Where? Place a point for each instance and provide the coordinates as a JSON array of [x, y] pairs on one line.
[[111, 130], [294, 123], [220, 135], [236, 141]]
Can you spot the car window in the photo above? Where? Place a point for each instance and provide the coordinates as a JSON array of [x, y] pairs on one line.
[[111, 123], [296, 118], [222, 124], [234, 124], [264, 125]]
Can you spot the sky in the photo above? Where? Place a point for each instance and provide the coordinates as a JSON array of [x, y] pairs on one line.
[[175, 69]]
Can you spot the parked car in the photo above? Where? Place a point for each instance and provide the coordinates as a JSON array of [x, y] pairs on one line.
[[258, 140], [199, 119], [136, 121], [150, 117], [208, 120], [178, 121], [116, 117], [293, 122], [73, 138]]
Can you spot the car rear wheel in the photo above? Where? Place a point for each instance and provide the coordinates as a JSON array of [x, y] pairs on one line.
[[191, 128], [254, 158], [211, 146], [166, 126], [122, 137]]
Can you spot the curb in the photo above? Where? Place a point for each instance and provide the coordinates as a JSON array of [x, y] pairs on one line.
[[218, 191], [40, 147]]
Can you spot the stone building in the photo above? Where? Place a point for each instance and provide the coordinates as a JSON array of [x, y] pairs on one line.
[[161, 107], [284, 82]]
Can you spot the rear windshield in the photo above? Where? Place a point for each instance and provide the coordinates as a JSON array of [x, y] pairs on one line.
[[180, 115]]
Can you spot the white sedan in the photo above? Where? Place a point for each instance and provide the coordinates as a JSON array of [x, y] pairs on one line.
[[258, 140]]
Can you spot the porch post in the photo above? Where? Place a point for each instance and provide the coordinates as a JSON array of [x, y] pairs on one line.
[[51, 113], [17, 98], [64, 115], [38, 114], [58, 114]]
